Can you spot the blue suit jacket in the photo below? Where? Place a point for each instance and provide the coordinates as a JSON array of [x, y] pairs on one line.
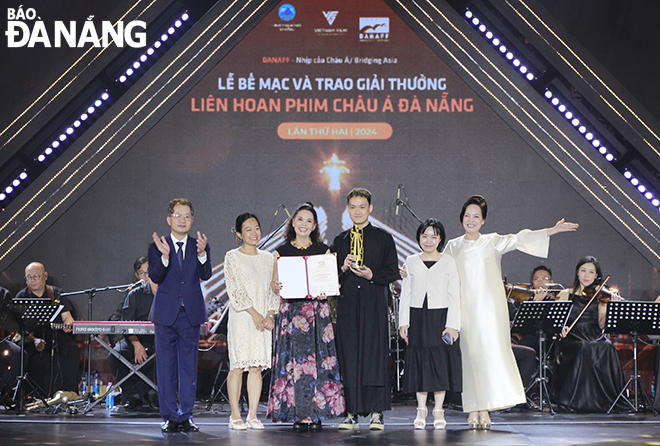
[[177, 286]]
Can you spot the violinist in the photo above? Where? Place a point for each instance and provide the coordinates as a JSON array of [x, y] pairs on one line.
[[588, 374]]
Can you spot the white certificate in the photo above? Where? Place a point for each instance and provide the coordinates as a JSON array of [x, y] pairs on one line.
[[308, 276]]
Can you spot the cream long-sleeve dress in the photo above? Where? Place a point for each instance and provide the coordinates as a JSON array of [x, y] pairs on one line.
[[248, 285], [491, 379]]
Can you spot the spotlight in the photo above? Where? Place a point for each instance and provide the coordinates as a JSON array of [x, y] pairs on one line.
[[136, 65], [69, 131], [475, 21], [530, 77], [627, 174], [157, 44], [122, 78], [641, 188], [655, 202], [105, 96], [468, 14], [523, 69], [575, 122], [509, 55], [178, 24], [502, 49], [164, 37], [143, 58], [76, 123], [171, 30], [595, 143], [98, 103], [589, 136], [555, 101], [91, 110], [569, 115], [84, 117], [23, 176], [55, 145], [648, 195], [516, 63], [547, 94], [62, 137], [496, 41], [2, 197], [129, 71], [150, 51], [582, 129], [9, 189], [634, 181], [16, 182], [48, 151], [602, 150], [482, 28], [41, 158], [185, 16], [489, 35], [561, 108], [609, 157]]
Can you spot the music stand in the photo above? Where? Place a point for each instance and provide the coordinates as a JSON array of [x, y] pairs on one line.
[[30, 313], [634, 318], [541, 318]]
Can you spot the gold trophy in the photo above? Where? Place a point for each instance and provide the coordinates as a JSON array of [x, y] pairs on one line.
[[357, 247]]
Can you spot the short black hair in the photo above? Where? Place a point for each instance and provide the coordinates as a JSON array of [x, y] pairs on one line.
[[477, 200], [539, 268], [139, 262], [438, 229], [359, 192], [238, 225], [181, 201]]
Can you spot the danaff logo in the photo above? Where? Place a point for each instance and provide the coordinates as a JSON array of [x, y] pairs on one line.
[[287, 12], [330, 16], [21, 33], [374, 29]]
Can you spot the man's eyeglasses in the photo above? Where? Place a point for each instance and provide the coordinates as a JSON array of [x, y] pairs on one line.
[[142, 273], [35, 277], [184, 216]]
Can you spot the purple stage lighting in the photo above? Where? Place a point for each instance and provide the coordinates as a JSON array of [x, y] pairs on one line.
[[489, 35], [23, 176], [76, 123], [129, 72], [55, 145], [9, 189], [157, 44], [91, 110], [136, 65], [62, 137], [150, 51], [2, 197], [48, 151], [16, 182], [170, 31], [185, 16], [143, 58], [178, 23], [496, 41], [98, 103], [69, 131], [105, 96], [84, 117], [547, 94], [482, 28], [468, 14]]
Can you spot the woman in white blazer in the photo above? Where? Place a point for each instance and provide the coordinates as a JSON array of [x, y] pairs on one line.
[[429, 322]]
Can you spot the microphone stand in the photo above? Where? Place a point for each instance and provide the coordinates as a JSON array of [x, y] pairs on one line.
[[400, 202], [91, 292]]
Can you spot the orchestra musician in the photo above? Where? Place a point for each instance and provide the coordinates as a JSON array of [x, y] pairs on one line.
[[136, 348], [490, 377], [588, 374], [54, 356]]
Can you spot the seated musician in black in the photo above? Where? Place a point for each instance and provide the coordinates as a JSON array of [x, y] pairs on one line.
[[137, 348], [62, 372]]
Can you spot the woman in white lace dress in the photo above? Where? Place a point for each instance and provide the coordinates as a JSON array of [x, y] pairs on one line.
[[248, 273]]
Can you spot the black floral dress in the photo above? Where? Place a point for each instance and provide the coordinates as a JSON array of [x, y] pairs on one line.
[[305, 382]]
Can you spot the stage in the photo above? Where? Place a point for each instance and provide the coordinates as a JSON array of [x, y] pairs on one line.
[[518, 427]]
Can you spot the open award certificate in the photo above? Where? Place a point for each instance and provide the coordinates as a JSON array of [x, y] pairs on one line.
[[307, 277]]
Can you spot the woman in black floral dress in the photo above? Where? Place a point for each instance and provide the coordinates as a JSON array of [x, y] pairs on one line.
[[305, 383]]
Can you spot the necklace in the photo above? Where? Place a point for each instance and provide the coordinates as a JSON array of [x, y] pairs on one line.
[[295, 245]]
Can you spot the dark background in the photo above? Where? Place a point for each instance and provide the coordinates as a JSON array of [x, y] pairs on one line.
[[228, 163]]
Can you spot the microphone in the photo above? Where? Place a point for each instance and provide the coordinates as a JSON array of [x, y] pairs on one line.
[[286, 210], [398, 199], [133, 285]]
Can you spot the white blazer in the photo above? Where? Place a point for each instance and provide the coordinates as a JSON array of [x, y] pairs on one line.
[[440, 283]]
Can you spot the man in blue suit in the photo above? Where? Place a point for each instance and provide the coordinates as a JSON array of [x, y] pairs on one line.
[[177, 263]]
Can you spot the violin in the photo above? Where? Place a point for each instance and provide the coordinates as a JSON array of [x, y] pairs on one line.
[[521, 292], [604, 295]]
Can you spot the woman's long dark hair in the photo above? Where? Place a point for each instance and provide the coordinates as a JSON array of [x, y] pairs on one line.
[[290, 233], [599, 273]]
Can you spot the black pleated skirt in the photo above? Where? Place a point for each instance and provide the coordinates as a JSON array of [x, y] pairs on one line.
[[430, 364]]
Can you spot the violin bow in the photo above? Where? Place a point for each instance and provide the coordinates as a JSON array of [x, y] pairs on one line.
[[600, 287]]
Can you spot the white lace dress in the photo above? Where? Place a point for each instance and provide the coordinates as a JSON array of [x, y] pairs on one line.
[[248, 285]]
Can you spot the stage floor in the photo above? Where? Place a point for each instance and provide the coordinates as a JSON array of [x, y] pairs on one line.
[[519, 427]]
